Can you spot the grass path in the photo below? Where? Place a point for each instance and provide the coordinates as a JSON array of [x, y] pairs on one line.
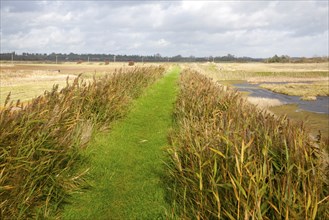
[[127, 163]]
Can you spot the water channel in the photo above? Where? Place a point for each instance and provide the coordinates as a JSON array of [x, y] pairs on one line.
[[320, 105]]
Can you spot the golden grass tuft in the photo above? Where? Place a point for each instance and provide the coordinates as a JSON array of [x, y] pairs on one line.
[[300, 89]]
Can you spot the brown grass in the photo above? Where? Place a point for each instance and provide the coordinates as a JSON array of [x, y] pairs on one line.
[[41, 142], [28, 80], [264, 72], [230, 73], [320, 88], [230, 160]]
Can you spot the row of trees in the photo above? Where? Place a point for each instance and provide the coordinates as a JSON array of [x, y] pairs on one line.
[[60, 57], [73, 57], [287, 59]]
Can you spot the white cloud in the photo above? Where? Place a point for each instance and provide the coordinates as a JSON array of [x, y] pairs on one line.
[[200, 28], [48, 37], [162, 43]]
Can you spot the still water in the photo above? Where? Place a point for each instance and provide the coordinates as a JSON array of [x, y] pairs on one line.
[[321, 105]]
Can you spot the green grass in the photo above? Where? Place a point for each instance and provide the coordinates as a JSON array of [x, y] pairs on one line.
[[127, 166]]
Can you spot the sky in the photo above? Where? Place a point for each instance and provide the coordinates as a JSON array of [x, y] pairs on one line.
[[256, 29]]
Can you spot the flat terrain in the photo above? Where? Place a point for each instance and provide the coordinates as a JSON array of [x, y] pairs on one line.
[[28, 80], [266, 72]]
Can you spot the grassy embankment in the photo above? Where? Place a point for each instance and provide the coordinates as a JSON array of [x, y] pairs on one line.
[[230, 160], [42, 141], [127, 167]]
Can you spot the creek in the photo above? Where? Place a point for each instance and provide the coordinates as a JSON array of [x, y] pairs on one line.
[[320, 105]]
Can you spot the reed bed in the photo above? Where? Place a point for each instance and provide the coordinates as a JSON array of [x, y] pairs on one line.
[[230, 160], [41, 142]]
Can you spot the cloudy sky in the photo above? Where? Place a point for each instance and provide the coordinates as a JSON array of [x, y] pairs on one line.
[[199, 28]]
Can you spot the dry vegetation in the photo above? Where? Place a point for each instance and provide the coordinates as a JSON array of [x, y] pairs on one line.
[[230, 160], [319, 88], [28, 80], [264, 72], [294, 74], [42, 141]]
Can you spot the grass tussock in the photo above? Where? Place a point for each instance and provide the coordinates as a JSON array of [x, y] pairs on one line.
[[41, 141], [307, 90], [230, 160]]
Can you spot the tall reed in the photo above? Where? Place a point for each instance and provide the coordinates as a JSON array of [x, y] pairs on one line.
[[230, 160], [42, 141]]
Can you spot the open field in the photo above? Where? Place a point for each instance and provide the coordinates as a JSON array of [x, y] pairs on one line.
[[263, 72], [230, 73], [29, 80]]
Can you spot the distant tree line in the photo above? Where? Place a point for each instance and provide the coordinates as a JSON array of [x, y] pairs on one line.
[[74, 57], [287, 59]]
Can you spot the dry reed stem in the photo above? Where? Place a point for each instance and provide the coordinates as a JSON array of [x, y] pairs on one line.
[[42, 141], [232, 160]]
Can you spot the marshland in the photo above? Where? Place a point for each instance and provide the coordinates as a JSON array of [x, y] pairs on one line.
[[83, 137], [173, 109]]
